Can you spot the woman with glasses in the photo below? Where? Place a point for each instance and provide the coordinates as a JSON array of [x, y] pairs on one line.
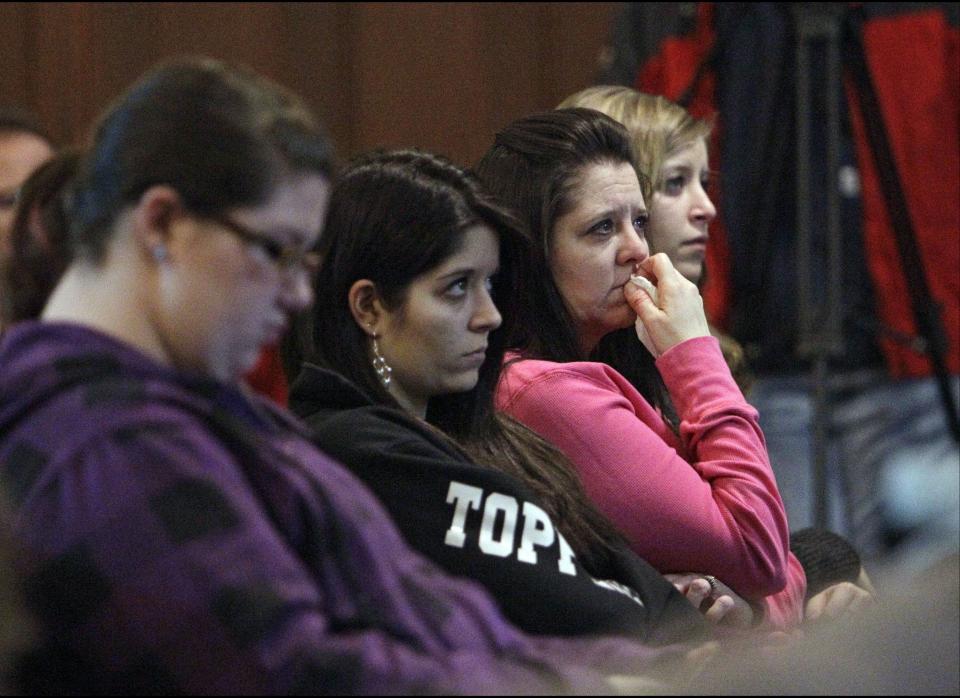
[[182, 535]]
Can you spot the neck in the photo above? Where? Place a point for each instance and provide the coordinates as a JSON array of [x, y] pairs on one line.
[[418, 408], [108, 298], [589, 342]]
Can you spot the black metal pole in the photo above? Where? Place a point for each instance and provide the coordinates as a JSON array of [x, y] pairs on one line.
[[818, 34]]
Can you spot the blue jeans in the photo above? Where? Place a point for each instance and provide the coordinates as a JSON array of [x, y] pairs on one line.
[[892, 463]]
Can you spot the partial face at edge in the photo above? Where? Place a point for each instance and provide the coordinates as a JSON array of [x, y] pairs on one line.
[[20, 155]]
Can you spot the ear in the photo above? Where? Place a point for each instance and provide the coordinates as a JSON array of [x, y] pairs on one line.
[[153, 214], [365, 306]]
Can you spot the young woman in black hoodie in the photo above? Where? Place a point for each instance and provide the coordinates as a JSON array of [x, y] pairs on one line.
[[403, 350]]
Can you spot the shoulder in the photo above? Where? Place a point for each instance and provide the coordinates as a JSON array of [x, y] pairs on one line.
[[110, 435], [372, 428], [529, 378], [146, 445], [404, 460]]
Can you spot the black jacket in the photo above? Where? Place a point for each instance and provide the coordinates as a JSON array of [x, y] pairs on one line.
[[480, 523]]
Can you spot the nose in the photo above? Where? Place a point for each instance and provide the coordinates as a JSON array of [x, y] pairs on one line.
[[486, 317], [296, 294], [634, 247], [702, 210]]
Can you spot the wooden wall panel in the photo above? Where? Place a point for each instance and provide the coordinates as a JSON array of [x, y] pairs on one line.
[[67, 67], [442, 76], [573, 35], [315, 63], [16, 46], [419, 83]]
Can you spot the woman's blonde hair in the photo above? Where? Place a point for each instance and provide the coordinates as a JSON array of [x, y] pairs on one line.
[[658, 128]]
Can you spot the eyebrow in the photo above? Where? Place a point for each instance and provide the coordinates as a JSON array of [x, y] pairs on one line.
[[293, 236], [685, 168], [458, 272], [612, 212], [463, 271]]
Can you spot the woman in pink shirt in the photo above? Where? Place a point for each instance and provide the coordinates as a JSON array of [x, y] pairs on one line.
[[629, 384], [671, 150]]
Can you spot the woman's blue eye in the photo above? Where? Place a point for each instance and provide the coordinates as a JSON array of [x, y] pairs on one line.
[[640, 223]]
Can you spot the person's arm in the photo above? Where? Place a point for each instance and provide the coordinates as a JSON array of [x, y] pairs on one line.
[[784, 610], [837, 600], [836, 580], [719, 514]]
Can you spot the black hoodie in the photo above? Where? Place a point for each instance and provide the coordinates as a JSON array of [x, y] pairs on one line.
[[484, 524]]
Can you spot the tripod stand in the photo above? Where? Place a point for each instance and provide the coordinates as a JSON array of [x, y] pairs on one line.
[[830, 35]]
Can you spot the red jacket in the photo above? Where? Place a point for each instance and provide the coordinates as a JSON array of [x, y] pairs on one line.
[[913, 59]]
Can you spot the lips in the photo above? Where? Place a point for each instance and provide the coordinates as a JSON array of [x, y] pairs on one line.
[[476, 357]]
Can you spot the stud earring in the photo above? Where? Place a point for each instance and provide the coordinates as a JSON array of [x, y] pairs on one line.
[[159, 253], [380, 364]]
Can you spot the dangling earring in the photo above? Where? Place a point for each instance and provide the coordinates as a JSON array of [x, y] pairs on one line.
[[380, 364]]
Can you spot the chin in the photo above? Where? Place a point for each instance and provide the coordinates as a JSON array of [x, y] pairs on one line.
[[691, 268], [691, 272], [244, 363], [464, 383], [623, 320]]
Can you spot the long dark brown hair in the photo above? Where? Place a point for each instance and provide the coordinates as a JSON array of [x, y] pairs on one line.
[[533, 168], [393, 217]]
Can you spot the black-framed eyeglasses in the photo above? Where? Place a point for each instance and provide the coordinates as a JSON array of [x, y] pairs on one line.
[[286, 257]]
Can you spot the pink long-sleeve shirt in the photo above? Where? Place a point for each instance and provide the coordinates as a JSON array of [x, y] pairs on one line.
[[705, 501]]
